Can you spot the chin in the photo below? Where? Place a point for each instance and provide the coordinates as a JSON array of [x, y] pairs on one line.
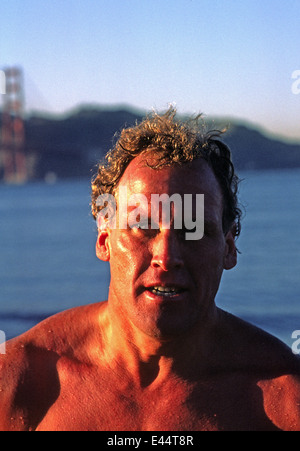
[[166, 328]]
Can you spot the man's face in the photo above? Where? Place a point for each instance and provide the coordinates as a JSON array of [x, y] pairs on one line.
[[161, 283]]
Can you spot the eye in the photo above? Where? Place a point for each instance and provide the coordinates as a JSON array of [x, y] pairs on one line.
[[139, 226], [210, 229], [143, 230], [136, 226]]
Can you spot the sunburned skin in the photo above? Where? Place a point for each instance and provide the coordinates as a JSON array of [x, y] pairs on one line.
[[158, 355], [84, 384]]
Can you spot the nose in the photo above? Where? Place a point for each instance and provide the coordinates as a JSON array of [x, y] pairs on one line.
[[166, 251]]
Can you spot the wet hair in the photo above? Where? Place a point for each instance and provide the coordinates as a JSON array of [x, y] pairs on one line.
[[172, 141]]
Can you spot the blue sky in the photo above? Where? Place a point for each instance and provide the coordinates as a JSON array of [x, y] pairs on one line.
[[232, 58]]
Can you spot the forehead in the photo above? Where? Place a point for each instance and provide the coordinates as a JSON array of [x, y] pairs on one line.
[[191, 178]]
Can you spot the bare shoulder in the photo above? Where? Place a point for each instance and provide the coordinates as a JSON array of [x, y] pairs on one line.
[[272, 366], [281, 398], [256, 350], [28, 376]]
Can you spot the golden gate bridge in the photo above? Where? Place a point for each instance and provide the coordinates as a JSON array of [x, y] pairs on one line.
[[13, 165]]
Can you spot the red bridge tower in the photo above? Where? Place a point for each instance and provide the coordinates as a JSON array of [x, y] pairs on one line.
[[12, 137]]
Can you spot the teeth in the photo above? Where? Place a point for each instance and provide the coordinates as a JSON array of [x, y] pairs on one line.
[[164, 290]]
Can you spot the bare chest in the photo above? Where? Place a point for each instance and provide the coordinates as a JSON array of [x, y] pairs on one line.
[[93, 403], [121, 411]]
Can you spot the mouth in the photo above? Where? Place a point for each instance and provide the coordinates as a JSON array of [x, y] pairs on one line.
[[168, 292]]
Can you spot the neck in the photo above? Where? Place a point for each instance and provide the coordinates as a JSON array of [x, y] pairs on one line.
[[149, 359]]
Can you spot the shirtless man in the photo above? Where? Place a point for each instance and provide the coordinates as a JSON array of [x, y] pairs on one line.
[[158, 355]]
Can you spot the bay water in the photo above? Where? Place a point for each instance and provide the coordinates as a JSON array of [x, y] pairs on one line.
[[48, 262]]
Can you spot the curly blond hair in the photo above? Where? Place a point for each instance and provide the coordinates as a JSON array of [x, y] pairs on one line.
[[171, 141]]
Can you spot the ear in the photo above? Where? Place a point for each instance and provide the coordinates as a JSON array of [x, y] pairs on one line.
[[102, 246], [230, 256]]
